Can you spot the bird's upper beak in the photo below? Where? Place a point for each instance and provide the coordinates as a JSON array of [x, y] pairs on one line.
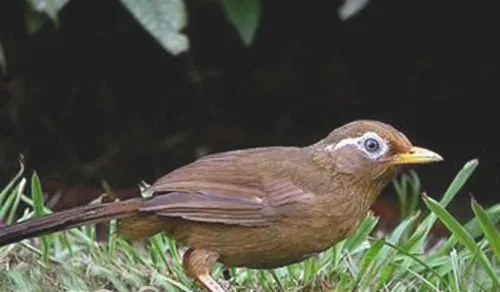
[[416, 155]]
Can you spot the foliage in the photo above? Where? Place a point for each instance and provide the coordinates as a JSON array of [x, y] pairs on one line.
[[244, 16], [165, 20], [401, 261]]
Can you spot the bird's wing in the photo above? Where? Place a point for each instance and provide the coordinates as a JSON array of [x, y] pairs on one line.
[[221, 189]]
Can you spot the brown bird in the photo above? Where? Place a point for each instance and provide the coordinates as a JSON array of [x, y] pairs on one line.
[[259, 208]]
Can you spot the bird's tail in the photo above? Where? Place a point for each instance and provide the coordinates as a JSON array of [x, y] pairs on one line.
[[67, 219]]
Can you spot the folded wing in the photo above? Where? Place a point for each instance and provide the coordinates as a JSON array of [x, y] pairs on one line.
[[221, 189]]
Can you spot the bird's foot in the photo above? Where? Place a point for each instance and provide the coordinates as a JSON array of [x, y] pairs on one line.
[[198, 263]]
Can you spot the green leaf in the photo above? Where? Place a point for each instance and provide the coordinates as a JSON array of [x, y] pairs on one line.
[[489, 229], [462, 235], [244, 15], [163, 19]]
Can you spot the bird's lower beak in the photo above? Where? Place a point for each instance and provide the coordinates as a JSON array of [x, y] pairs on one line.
[[416, 155]]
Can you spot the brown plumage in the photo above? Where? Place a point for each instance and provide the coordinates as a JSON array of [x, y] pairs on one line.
[[257, 208]]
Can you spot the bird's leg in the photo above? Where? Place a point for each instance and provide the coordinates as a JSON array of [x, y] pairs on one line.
[[198, 263]]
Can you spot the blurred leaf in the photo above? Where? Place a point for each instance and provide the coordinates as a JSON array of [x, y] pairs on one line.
[[34, 21], [244, 15], [350, 8], [408, 191], [3, 60], [48, 7], [42, 10], [489, 229], [163, 20]]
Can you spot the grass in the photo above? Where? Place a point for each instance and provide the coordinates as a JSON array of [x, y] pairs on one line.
[[402, 260]]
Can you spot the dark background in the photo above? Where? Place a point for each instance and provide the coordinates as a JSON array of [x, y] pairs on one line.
[[98, 99]]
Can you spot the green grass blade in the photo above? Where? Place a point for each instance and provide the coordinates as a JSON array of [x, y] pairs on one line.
[[39, 208], [386, 256], [462, 235], [401, 189], [472, 227], [457, 271], [157, 252], [424, 281], [415, 194], [18, 193], [364, 229], [457, 183], [4, 210], [310, 269], [408, 191], [416, 259], [369, 259], [37, 196], [402, 228], [30, 202], [7, 189], [488, 227]]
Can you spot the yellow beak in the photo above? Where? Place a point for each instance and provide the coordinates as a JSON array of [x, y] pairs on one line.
[[416, 155]]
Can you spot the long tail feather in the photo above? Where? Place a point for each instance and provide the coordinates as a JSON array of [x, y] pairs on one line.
[[68, 219]]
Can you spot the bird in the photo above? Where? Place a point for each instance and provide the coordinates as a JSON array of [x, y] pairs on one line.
[[259, 208]]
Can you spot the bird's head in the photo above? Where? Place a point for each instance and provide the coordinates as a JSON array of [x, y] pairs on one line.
[[370, 150]]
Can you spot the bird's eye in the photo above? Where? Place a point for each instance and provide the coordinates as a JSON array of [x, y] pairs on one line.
[[371, 145]]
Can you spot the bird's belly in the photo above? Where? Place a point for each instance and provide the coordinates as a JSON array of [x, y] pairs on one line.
[[265, 247]]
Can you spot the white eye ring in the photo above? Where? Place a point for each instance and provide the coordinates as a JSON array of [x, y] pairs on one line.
[[377, 149], [381, 146]]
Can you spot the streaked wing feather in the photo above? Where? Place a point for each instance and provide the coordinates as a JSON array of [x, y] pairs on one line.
[[208, 207], [219, 189], [284, 192], [199, 200], [224, 173]]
